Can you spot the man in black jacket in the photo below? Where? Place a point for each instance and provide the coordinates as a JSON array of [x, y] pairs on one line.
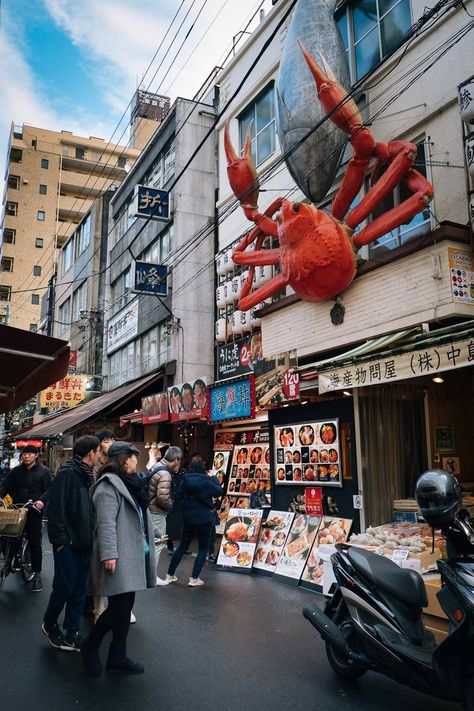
[[30, 481], [70, 532]]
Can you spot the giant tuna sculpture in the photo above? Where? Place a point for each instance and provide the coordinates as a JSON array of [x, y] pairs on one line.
[[317, 250]]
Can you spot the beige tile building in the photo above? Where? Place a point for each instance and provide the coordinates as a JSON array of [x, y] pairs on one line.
[[52, 179]]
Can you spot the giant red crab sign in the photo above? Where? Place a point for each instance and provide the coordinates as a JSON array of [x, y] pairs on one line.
[[317, 252]]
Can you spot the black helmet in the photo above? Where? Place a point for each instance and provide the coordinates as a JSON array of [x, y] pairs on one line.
[[439, 495]]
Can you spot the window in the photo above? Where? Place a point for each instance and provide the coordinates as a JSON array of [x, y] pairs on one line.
[[5, 293], [419, 224], [35, 299], [372, 30], [121, 161], [169, 165], [79, 301], [39, 242], [33, 327], [44, 163], [7, 264], [41, 215], [80, 153], [14, 182], [65, 150], [16, 154], [64, 315], [43, 189], [12, 209], [262, 113], [121, 288], [67, 255], [83, 237], [9, 236], [36, 270]]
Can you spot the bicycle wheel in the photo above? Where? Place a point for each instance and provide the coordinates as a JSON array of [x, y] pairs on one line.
[[5, 566], [26, 571]]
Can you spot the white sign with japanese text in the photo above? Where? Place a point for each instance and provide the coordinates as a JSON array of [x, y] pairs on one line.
[[122, 327], [412, 364]]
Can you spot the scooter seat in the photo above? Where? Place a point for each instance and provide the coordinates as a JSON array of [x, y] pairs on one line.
[[405, 585]]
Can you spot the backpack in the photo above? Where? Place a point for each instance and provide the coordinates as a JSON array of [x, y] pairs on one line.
[[144, 477]]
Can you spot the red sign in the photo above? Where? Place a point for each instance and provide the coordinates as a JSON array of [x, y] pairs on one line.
[[313, 496], [155, 408], [20, 443], [72, 362], [291, 384], [188, 401]]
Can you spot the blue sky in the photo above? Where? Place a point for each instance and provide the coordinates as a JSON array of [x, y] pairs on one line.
[[74, 65]]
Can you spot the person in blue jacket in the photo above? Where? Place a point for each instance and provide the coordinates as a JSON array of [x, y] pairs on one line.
[[198, 491]]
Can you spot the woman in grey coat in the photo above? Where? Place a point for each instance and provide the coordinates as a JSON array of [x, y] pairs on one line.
[[123, 557]]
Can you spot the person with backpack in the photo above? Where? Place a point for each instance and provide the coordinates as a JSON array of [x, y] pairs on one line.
[[160, 501]]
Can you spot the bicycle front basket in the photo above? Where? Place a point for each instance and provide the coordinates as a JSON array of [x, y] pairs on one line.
[[12, 521]]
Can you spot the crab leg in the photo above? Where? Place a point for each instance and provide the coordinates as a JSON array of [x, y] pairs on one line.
[[345, 114], [263, 292]]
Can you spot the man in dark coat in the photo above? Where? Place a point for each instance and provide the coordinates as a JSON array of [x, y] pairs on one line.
[[70, 527], [30, 481]]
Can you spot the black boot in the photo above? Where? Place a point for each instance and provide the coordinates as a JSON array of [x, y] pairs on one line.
[[90, 658], [117, 660]]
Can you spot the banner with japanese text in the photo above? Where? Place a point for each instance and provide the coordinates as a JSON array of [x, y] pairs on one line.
[[276, 379], [412, 364], [155, 408], [233, 400], [188, 401], [68, 392]]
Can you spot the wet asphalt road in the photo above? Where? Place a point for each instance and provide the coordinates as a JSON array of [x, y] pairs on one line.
[[239, 642]]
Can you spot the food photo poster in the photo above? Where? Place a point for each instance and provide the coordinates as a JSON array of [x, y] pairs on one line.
[[297, 547], [307, 453], [250, 466], [273, 535], [330, 532], [239, 541]]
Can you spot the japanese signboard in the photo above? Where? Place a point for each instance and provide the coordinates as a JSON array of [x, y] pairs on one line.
[[234, 359], [67, 392], [122, 327], [330, 532], [72, 362], [155, 408], [412, 364], [461, 271], [233, 400], [150, 279], [250, 470], [240, 539], [276, 379], [308, 453], [313, 496], [226, 439], [272, 539], [297, 547], [188, 401], [444, 439], [152, 203]]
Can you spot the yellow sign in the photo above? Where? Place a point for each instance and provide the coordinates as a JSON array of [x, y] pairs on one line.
[[68, 392]]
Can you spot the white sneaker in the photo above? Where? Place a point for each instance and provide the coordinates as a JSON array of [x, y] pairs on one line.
[[195, 582], [170, 578], [160, 581], [133, 619]]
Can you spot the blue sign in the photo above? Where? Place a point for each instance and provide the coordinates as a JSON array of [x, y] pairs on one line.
[[152, 203], [151, 279], [232, 401]]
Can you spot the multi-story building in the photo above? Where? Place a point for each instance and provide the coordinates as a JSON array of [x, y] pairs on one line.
[[412, 287], [52, 180]]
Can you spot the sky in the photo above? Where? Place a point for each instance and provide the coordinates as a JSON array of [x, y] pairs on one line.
[[75, 65]]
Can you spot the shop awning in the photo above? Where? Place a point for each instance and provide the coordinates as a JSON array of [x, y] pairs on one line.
[[131, 417], [29, 362], [109, 402]]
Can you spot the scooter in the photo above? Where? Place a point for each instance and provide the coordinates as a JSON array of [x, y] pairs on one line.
[[374, 619]]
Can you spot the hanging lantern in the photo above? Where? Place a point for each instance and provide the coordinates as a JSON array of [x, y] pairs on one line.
[[264, 273], [237, 328], [236, 288], [220, 297], [220, 266], [221, 328], [243, 278], [466, 101], [229, 297], [254, 319], [228, 263], [470, 156], [245, 321]]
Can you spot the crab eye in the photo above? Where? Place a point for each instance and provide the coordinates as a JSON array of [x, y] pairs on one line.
[[296, 207]]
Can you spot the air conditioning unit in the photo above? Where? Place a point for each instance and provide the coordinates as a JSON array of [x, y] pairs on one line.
[[25, 181]]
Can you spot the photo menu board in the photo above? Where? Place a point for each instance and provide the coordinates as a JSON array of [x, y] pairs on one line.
[[250, 466], [228, 503], [240, 539], [307, 453], [331, 531], [298, 546], [220, 463], [273, 537]]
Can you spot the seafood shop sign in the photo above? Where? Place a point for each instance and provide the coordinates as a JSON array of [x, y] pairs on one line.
[[412, 364]]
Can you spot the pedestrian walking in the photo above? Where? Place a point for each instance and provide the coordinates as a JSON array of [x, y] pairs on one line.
[[30, 481], [198, 519], [123, 558], [70, 533], [160, 496]]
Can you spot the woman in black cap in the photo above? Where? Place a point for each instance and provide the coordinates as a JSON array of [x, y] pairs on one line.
[[123, 558]]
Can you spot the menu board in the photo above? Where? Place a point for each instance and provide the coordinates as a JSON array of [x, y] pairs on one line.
[[220, 463], [229, 502], [250, 466], [273, 536], [331, 531], [307, 453], [240, 539], [297, 547]]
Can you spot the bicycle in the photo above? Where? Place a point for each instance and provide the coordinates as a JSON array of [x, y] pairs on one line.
[[15, 555]]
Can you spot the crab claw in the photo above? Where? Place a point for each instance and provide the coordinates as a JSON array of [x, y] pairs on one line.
[[241, 172], [331, 94]]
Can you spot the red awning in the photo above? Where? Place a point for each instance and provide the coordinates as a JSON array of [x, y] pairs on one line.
[[29, 362]]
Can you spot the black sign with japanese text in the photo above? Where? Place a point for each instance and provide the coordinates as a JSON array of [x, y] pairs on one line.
[[234, 359]]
